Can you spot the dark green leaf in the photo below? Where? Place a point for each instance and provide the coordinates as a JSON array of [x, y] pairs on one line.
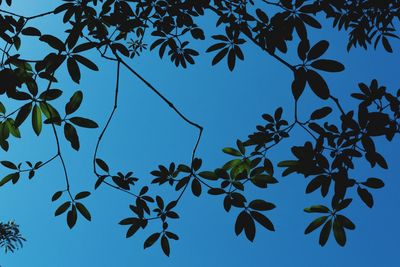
[[83, 122], [315, 224]]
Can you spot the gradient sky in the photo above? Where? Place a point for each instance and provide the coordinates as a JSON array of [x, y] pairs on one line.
[[146, 133]]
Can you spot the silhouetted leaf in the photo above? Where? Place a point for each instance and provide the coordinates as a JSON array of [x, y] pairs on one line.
[[325, 232], [315, 224], [260, 204], [317, 209], [83, 122], [321, 113], [374, 183], [71, 135], [82, 195], [165, 245], [73, 70], [101, 163], [196, 187], [151, 240], [56, 195], [261, 219], [365, 196], [62, 208], [339, 232], [317, 84], [37, 119], [318, 50], [83, 210], [74, 102], [328, 65], [72, 217]]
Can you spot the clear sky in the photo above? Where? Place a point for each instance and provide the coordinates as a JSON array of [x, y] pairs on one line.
[[146, 133]]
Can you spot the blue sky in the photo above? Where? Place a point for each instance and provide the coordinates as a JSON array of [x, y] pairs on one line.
[[146, 133]]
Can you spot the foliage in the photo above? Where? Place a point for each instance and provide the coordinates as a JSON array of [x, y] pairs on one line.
[[124, 29], [10, 237]]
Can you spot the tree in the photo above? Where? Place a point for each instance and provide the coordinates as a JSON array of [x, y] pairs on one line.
[[121, 30]]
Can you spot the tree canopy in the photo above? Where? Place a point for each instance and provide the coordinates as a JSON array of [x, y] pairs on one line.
[[121, 31]]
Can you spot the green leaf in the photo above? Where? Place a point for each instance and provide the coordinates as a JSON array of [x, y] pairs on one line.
[[263, 220], [317, 209], [315, 224], [2, 108], [86, 62], [325, 232], [10, 124], [37, 119], [260, 204], [50, 94], [53, 41], [50, 113], [8, 164], [71, 135], [262, 180], [23, 113], [288, 163], [8, 178], [232, 151], [73, 70], [339, 233], [346, 222], [74, 102], [208, 175], [83, 122]]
